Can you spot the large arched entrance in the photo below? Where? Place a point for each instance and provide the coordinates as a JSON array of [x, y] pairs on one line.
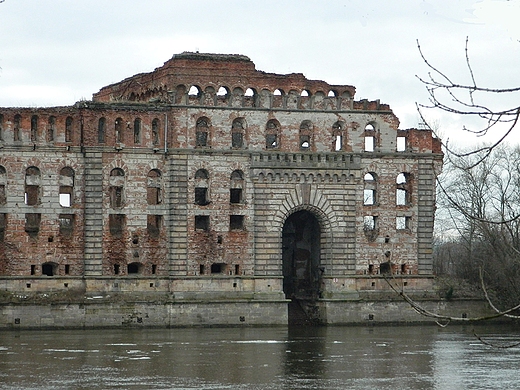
[[302, 271]]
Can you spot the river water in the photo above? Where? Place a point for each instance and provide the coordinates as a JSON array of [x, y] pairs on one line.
[[425, 357]]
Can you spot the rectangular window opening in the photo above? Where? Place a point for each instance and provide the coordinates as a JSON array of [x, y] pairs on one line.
[[32, 224], [66, 222], [368, 197], [31, 195], [201, 196], [67, 269], [153, 225], [236, 222], [338, 144], [369, 143], [116, 224], [237, 140], [402, 223], [235, 195], [202, 222], [401, 144]]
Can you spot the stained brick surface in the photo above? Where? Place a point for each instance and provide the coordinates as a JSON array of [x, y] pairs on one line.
[[146, 126]]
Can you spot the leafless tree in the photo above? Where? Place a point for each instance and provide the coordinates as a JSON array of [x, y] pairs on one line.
[[469, 100]]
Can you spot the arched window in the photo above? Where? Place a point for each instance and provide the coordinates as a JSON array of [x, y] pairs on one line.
[[272, 134], [3, 186], [403, 194], [32, 186], [66, 182], [154, 187], [305, 135], [370, 189], [137, 131], [118, 126], [370, 138], [68, 129], [116, 187], [337, 135], [236, 188], [155, 131], [237, 133], [102, 128], [34, 128], [51, 129], [17, 128], [202, 132], [202, 187]]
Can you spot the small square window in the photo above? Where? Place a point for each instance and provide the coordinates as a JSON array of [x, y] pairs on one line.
[[202, 222], [236, 222]]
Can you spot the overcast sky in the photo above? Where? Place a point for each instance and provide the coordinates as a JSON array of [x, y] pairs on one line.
[[57, 52]]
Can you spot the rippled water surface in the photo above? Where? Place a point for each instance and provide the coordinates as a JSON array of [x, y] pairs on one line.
[[264, 358]]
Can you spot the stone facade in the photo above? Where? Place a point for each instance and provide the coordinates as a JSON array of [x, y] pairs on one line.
[[209, 180]]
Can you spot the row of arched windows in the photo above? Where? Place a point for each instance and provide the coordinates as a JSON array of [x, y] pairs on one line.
[[35, 132], [123, 130]]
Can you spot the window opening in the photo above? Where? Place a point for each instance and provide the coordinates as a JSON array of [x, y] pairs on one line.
[[51, 129], [370, 140], [32, 186], [237, 133], [236, 222], [403, 193], [137, 131], [155, 131], [68, 129], [117, 181], [115, 224], [202, 222], [272, 134], [67, 269], [402, 223], [218, 268], [32, 224], [66, 222], [153, 225], [48, 269], [101, 130], [34, 128], [201, 187], [369, 192], [202, 269], [201, 135], [237, 269], [237, 184], [154, 187], [133, 268], [118, 127], [401, 144], [16, 127], [116, 269], [154, 269]]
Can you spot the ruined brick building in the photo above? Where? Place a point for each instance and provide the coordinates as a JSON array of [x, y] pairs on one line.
[[210, 182]]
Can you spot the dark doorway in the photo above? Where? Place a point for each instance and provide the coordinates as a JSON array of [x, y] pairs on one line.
[[48, 269], [301, 267]]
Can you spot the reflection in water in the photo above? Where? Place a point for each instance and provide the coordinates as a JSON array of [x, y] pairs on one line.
[[264, 358]]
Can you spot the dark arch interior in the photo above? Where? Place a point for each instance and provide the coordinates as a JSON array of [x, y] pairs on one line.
[[301, 266]]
